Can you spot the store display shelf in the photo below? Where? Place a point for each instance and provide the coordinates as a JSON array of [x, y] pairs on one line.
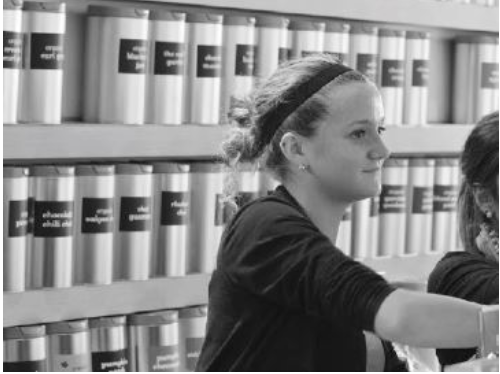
[[408, 12], [66, 143], [42, 306]]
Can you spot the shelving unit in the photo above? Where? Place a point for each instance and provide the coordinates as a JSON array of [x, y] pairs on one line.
[[90, 141]]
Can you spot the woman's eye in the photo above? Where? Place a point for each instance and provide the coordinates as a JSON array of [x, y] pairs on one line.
[[358, 134], [381, 130]]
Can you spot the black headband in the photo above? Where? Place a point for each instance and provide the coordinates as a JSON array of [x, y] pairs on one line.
[[299, 95]]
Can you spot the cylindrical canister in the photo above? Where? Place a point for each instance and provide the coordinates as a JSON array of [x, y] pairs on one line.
[[361, 229], [267, 183], [94, 222], [308, 37], [132, 241], [337, 41], [374, 226], [44, 24], [419, 207], [486, 88], [25, 349], [69, 346], [108, 342], [206, 217], [272, 44], [192, 327], [12, 54], [363, 50], [344, 234], [444, 215], [204, 68], [15, 228], [463, 78], [170, 219], [154, 341], [393, 200], [392, 45], [168, 61], [123, 64], [417, 62], [238, 61], [52, 254]]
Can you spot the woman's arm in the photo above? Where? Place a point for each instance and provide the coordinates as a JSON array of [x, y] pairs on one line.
[[425, 320]]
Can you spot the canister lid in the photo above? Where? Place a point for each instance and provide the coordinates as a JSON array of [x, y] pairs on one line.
[[170, 168], [44, 6], [204, 18], [68, 327], [388, 33], [85, 170], [443, 162], [476, 39], [12, 4], [207, 167], [112, 321], [165, 317], [333, 26], [421, 162], [194, 312], [418, 35], [396, 162], [364, 28], [232, 20], [53, 171], [15, 172], [306, 25], [111, 11], [166, 15], [24, 332], [272, 22], [133, 169]]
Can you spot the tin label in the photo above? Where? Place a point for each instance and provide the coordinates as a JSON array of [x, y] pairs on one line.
[[422, 200], [284, 54], [193, 350], [31, 215], [97, 215], [164, 358], [489, 75], [174, 208], [47, 51], [25, 366], [420, 73], [209, 61], [393, 73], [18, 218], [393, 199], [132, 56], [135, 214], [169, 58], [339, 56], [445, 198], [245, 60], [71, 363], [110, 361], [375, 206], [366, 63], [53, 219], [12, 50]]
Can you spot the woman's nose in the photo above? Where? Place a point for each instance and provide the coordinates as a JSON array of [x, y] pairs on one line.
[[379, 151]]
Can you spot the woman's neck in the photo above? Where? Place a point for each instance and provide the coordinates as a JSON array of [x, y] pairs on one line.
[[324, 213]]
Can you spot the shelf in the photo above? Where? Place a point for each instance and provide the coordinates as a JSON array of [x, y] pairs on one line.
[[42, 306], [72, 142], [430, 13]]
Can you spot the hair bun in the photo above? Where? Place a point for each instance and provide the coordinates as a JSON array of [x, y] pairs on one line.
[[241, 112]]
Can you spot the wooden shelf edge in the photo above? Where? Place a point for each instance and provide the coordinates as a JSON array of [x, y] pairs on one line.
[[45, 306]]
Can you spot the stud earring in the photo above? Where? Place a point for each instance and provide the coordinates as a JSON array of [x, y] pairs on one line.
[[303, 167], [489, 214]]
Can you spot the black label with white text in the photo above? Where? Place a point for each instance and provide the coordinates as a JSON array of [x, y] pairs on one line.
[[12, 50], [209, 61], [47, 51], [245, 60], [110, 361], [393, 199], [420, 73], [53, 219], [422, 200], [18, 218], [135, 214], [445, 198], [97, 215], [169, 58], [174, 208], [392, 73], [132, 56]]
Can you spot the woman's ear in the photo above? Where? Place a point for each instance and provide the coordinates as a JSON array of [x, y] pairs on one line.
[[291, 146], [486, 203]]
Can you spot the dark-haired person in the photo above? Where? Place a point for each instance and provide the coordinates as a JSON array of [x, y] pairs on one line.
[[283, 297], [473, 274]]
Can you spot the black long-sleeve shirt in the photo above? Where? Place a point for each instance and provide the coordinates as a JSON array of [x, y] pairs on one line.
[[467, 276], [283, 298]]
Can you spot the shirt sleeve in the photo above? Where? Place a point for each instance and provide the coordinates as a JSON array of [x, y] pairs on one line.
[[289, 262]]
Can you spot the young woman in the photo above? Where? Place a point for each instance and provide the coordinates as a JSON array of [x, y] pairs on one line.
[[283, 297], [473, 274]]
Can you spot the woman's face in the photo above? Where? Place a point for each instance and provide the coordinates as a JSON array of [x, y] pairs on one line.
[[347, 152]]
